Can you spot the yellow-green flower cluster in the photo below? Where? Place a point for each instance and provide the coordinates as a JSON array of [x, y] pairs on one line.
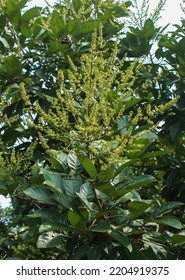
[[86, 113], [14, 163]]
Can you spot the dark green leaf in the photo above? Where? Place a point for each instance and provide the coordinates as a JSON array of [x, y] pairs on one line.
[[169, 221], [123, 240], [167, 207], [178, 239], [137, 208], [72, 185], [76, 221], [102, 227], [94, 253], [53, 227], [40, 194], [149, 30], [131, 183], [12, 65], [88, 166]]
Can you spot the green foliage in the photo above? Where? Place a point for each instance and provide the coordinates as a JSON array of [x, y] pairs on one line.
[[92, 132]]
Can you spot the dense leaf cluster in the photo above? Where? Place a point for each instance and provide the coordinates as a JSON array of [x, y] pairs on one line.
[[92, 143]]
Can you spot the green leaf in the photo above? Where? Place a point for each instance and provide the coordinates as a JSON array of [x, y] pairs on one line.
[[94, 253], [167, 207], [76, 221], [57, 24], [49, 240], [156, 154], [53, 227], [63, 200], [87, 192], [54, 182], [74, 163], [169, 221], [13, 66], [50, 215], [131, 183], [30, 14], [4, 42], [101, 227], [74, 26], [178, 239], [13, 12], [77, 4], [123, 166], [149, 29], [123, 199], [88, 166], [72, 185], [40, 194], [123, 240], [89, 26], [2, 21], [176, 129], [3, 188], [90, 206], [137, 208], [81, 252]]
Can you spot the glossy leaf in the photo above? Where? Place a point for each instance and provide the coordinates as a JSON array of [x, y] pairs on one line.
[[40, 194], [137, 208], [102, 227], [53, 227], [88, 166], [123, 240], [49, 240], [170, 221], [165, 208], [178, 239]]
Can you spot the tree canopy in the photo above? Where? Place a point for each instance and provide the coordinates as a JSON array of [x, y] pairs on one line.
[[92, 143]]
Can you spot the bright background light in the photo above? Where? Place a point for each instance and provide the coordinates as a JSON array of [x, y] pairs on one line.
[[171, 14]]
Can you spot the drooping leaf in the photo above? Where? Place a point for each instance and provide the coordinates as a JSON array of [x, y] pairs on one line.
[[149, 29], [102, 227], [94, 253], [73, 162], [40, 194], [131, 183], [123, 240], [165, 208], [12, 65], [53, 227], [76, 221], [49, 240], [88, 166], [30, 14], [72, 185], [169, 221], [137, 208], [178, 239], [81, 252], [86, 191]]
